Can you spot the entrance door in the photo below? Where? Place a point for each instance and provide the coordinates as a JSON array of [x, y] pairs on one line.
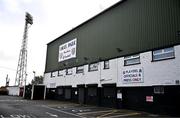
[[135, 98], [67, 93], [38, 93], [92, 95], [109, 96], [81, 96], [60, 93]]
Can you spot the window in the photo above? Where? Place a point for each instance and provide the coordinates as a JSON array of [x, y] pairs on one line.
[[166, 53], [53, 74], [93, 67], [131, 60], [69, 71], [159, 90], [80, 69], [106, 64], [60, 73]]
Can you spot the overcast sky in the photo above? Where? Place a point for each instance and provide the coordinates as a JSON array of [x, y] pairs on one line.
[[52, 18]]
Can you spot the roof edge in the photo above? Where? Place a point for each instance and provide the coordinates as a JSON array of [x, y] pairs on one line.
[[104, 11]]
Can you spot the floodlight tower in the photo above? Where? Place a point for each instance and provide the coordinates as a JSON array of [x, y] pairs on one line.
[[21, 73]]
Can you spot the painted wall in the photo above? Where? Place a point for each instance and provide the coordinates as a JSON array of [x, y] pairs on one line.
[[50, 82], [69, 79], [79, 78], [60, 80], [164, 72], [109, 75], [13, 90], [93, 77]]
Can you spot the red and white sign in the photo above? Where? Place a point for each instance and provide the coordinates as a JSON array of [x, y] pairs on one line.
[[149, 98]]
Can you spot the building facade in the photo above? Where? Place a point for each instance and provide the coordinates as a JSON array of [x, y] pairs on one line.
[[128, 56]]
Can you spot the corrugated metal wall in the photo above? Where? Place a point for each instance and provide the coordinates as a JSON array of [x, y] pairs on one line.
[[132, 26]]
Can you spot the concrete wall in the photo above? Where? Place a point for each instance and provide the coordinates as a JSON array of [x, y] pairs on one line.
[[61, 79], [50, 82], [13, 90], [110, 75], [164, 72]]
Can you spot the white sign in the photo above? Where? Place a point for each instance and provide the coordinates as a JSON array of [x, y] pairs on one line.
[[134, 75], [76, 92], [119, 95], [67, 50]]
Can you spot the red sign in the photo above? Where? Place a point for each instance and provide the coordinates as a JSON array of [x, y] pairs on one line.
[[149, 98]]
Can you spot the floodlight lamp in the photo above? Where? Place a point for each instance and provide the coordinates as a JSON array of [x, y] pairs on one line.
[[29, 18]]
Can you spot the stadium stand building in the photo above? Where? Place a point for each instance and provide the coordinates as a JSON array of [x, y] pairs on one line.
[[128, 56]]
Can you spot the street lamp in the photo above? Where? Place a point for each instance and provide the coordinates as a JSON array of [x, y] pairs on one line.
[[34, 74], [32, 90]]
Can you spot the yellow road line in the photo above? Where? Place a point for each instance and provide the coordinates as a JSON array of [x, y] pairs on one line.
[[94, 112], [60, 111], [123, 115], [107, 114]]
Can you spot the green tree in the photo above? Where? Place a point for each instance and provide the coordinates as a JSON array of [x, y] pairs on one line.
[[37, 80]]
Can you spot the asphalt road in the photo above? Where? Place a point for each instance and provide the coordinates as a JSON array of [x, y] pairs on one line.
[[16, 107]]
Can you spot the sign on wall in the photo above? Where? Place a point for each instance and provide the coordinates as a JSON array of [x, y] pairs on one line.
[[134, 75], [149, 98], [67, 50]]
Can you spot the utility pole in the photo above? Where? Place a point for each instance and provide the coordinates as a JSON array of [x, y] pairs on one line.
[[21, 74]]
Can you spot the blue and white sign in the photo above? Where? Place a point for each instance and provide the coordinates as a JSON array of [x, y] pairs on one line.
[[67, 50], [133, 75]]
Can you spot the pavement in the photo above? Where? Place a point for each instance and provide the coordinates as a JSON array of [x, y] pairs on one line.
[[16, 107]]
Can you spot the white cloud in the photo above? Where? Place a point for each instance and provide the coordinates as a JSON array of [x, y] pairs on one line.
[[12, 6], [27, 1]]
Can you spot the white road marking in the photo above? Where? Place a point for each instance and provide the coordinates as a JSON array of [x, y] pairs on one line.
[[53, 115], [12, 100], [84, 110], [24, 116], [62, 111], [16, 116], [2, 116], [73, 110]]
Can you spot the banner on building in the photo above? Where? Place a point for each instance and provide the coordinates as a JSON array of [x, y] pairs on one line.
[[133, 75], [67, 50]]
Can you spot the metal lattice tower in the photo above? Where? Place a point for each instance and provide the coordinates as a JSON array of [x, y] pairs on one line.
[[21, 73]]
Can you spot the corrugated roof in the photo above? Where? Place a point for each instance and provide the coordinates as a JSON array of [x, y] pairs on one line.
[[117, 4]]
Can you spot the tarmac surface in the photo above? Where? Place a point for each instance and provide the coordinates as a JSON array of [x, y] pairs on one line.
[[16, 107]]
